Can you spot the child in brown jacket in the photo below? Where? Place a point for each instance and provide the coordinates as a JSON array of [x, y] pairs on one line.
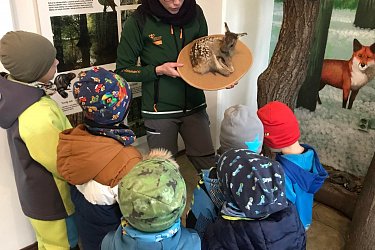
[[95, 155]]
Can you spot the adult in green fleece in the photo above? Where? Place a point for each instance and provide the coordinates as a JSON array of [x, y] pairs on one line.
[[156, 33], [33, 122]]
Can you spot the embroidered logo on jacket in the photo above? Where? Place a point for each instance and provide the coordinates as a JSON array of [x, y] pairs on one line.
[[157, 40]]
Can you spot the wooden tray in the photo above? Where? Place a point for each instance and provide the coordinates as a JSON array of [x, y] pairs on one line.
[[242, 61]]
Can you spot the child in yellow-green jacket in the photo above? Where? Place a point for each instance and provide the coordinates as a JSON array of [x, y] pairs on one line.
[[33, 122]]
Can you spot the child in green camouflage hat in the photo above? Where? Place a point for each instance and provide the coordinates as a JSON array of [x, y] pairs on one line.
[[152, 198]]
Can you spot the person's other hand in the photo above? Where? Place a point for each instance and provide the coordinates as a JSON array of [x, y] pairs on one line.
[[169, 69], [232, 85]]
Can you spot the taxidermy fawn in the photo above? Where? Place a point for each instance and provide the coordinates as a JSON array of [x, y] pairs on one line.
[[350, 75], [214, 54]]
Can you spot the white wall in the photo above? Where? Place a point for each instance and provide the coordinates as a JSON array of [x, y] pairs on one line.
[[255, 18], [251, 16], [15, 229], [214, 17]]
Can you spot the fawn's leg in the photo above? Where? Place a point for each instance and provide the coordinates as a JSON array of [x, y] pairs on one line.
[[220, 66], [229, 64]]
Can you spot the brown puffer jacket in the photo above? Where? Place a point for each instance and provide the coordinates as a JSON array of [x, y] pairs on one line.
[[82, 157]]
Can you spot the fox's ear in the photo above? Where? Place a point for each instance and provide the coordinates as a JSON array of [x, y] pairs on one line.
[[356, 45], [372, 48]]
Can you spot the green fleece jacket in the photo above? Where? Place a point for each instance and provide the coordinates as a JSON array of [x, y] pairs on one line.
[[157, 43]]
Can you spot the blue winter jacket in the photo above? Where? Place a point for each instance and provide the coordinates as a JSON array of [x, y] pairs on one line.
[[184, 239], [304, 175], [207, 202], [279, 231]]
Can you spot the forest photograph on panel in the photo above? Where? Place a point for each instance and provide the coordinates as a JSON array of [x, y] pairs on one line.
[[85, 40], [130, 2]]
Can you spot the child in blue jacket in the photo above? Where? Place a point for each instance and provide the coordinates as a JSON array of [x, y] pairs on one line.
[[304, 174], [152, 198], [240, 128]]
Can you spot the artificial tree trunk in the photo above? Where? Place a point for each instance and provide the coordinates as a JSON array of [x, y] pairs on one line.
[[362, 233], [287, 70]]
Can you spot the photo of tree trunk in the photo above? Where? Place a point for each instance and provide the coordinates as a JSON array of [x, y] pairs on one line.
[[85, 40]]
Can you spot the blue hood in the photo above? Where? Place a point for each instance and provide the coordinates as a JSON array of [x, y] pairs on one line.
[[309, 179]]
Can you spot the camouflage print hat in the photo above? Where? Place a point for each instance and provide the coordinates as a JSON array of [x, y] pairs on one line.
[[153, 195]]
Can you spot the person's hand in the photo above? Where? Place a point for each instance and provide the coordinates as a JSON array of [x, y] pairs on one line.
[[232, 85], [169, 69]]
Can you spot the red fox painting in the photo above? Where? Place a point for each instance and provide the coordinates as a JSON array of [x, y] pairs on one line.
[[350, 75]]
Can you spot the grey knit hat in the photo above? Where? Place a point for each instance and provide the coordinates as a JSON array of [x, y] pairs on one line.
[[241, 128], [27, 56]]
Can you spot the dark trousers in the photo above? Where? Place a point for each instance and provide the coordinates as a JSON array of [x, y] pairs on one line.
[[94, 221], [195, 132]]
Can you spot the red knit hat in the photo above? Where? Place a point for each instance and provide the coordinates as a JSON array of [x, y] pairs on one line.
[[280, 125]]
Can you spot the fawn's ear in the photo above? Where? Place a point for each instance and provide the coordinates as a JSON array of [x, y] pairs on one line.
[[226, 27], [241, 34]]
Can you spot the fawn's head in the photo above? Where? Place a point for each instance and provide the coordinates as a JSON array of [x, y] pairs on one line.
[[230, 40]]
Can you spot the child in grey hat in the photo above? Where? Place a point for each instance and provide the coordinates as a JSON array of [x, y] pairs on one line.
[[31, 117], [240, 129]]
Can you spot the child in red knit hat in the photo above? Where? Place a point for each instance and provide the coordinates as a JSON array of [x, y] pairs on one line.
[[304, 174]]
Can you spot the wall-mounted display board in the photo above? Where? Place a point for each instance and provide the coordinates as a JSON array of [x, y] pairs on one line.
[[86, 33]]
